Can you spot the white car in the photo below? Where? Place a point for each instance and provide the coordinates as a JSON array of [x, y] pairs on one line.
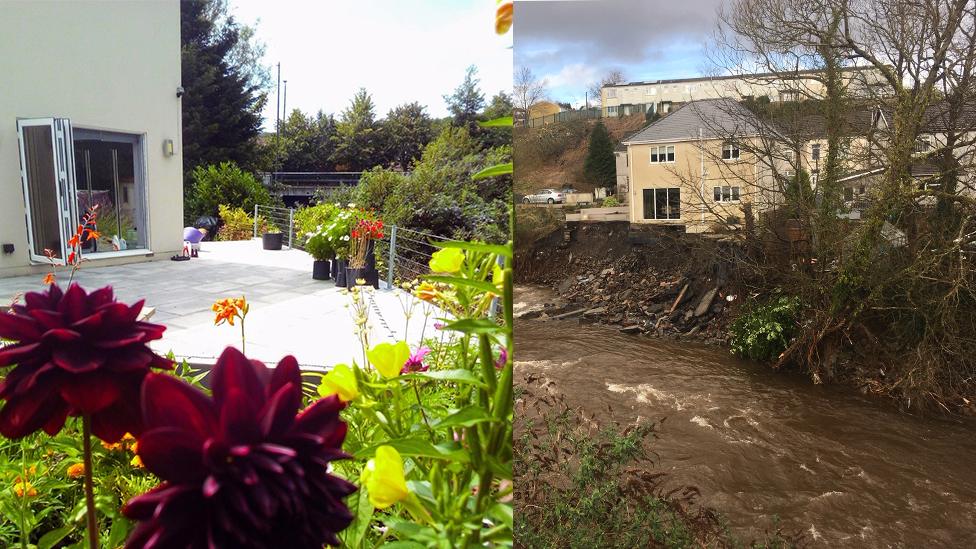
[[550, 196]]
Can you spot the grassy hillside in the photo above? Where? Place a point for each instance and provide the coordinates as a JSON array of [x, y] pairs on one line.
[[552, 156]]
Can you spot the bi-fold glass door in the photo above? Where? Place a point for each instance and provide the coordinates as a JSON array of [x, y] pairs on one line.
[[47, 174]]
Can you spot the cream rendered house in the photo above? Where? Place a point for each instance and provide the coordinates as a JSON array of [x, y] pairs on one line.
[[90, 114], [685, 170]]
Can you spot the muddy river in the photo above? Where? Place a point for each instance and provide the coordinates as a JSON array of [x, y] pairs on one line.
[[848, 470]]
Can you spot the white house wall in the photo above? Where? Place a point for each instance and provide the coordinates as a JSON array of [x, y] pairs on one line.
[[103, 65]]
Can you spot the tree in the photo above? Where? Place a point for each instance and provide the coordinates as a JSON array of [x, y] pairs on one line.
[[528, 90], [593, 92], [406, 131], [600, 165], [466, 101], [223, 86], [499, 107], [356, 137], [307, 142]]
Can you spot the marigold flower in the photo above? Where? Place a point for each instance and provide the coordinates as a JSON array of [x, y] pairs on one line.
[[383, 478], [388, 358], [447, 260], [49, 279], [76, 470], [228, 309], [243, 467], [22, 487], [76, 354], [341, 381]]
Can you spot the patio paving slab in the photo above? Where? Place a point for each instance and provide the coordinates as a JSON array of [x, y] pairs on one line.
[[290, 313]]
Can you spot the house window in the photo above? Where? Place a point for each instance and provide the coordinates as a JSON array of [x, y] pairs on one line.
[[611, 111], [814, 175], [730, 151], [923, 144], [662, 203], [662, 154], [789, 95], [815, 152], [651, 91], [611, 93], [726, 194], [665, 107]]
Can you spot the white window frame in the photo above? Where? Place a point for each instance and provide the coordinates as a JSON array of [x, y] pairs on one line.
[[611, 93], [727, 194], [923, 144], [815, 150], [657, 152], [732, 150], [611, 110]]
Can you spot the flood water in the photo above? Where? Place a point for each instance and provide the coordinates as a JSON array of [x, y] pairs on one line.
[[848, 470]]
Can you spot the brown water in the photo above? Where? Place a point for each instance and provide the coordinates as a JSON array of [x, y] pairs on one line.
[[848, 470]]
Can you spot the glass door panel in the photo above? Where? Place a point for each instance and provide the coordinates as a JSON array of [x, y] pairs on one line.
[[47, 177]]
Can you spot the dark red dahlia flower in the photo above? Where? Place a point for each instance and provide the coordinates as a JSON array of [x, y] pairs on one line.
[[75, 354], [242, 468]]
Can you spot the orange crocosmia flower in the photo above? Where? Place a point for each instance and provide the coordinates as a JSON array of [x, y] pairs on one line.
[[71, 257], [73, 241], [503, 18], [76, 470], [49, 278], [93, 235]]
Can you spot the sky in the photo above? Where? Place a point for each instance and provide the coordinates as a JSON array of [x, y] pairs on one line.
[[399, 50], [572, 43]]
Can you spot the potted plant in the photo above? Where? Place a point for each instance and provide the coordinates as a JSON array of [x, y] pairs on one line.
[[319, 247], [336, 229], [271, 238], [363, 234]]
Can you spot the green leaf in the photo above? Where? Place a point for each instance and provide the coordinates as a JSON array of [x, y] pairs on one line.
[[416, 447], [49, 539], [403, 545], [501, 513], [475, 326], [459, 375], [498, 249], [457, 281], [465, 417], [493, 171], [498, 122]]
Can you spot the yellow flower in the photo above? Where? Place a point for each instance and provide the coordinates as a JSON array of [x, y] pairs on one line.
[[503, 17], [76, 470], [24, 487], [389, 358], [341, 380], [448, 260], [426, 291], [383, 478], [136, 461]]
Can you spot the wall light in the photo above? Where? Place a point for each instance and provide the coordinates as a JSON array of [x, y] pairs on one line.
[[168, 149]]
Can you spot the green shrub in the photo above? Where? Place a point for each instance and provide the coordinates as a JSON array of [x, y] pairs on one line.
[[237, 224], [310, 219], [319, 247], [226, 183], [764, 331], [611, 202]]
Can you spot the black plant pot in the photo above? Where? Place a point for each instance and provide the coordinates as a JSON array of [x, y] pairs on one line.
[[371, 256], [339, 265], [352, 275], [321, 269], [271, 241], [372, 277]]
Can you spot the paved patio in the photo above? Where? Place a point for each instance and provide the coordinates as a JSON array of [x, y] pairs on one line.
[[290, 313]]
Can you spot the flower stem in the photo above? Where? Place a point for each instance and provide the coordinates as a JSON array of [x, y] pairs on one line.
[[23, 500], [242, 336], [89, 488]]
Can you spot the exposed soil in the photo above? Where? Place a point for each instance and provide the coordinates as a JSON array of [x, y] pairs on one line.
[[655, 281]]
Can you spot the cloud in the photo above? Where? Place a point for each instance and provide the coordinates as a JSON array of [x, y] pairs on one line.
[[641, 38]]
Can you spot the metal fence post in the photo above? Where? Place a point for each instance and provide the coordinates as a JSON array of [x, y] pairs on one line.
[[291, 225], [389, 267], [255, 221]]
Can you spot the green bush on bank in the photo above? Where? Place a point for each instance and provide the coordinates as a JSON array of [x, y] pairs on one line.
[[764, 331], [225, 183]]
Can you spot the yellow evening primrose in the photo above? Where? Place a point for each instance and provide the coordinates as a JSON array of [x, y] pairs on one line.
[[383, 478], [341, 380], [389, 358], [448, 260]]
